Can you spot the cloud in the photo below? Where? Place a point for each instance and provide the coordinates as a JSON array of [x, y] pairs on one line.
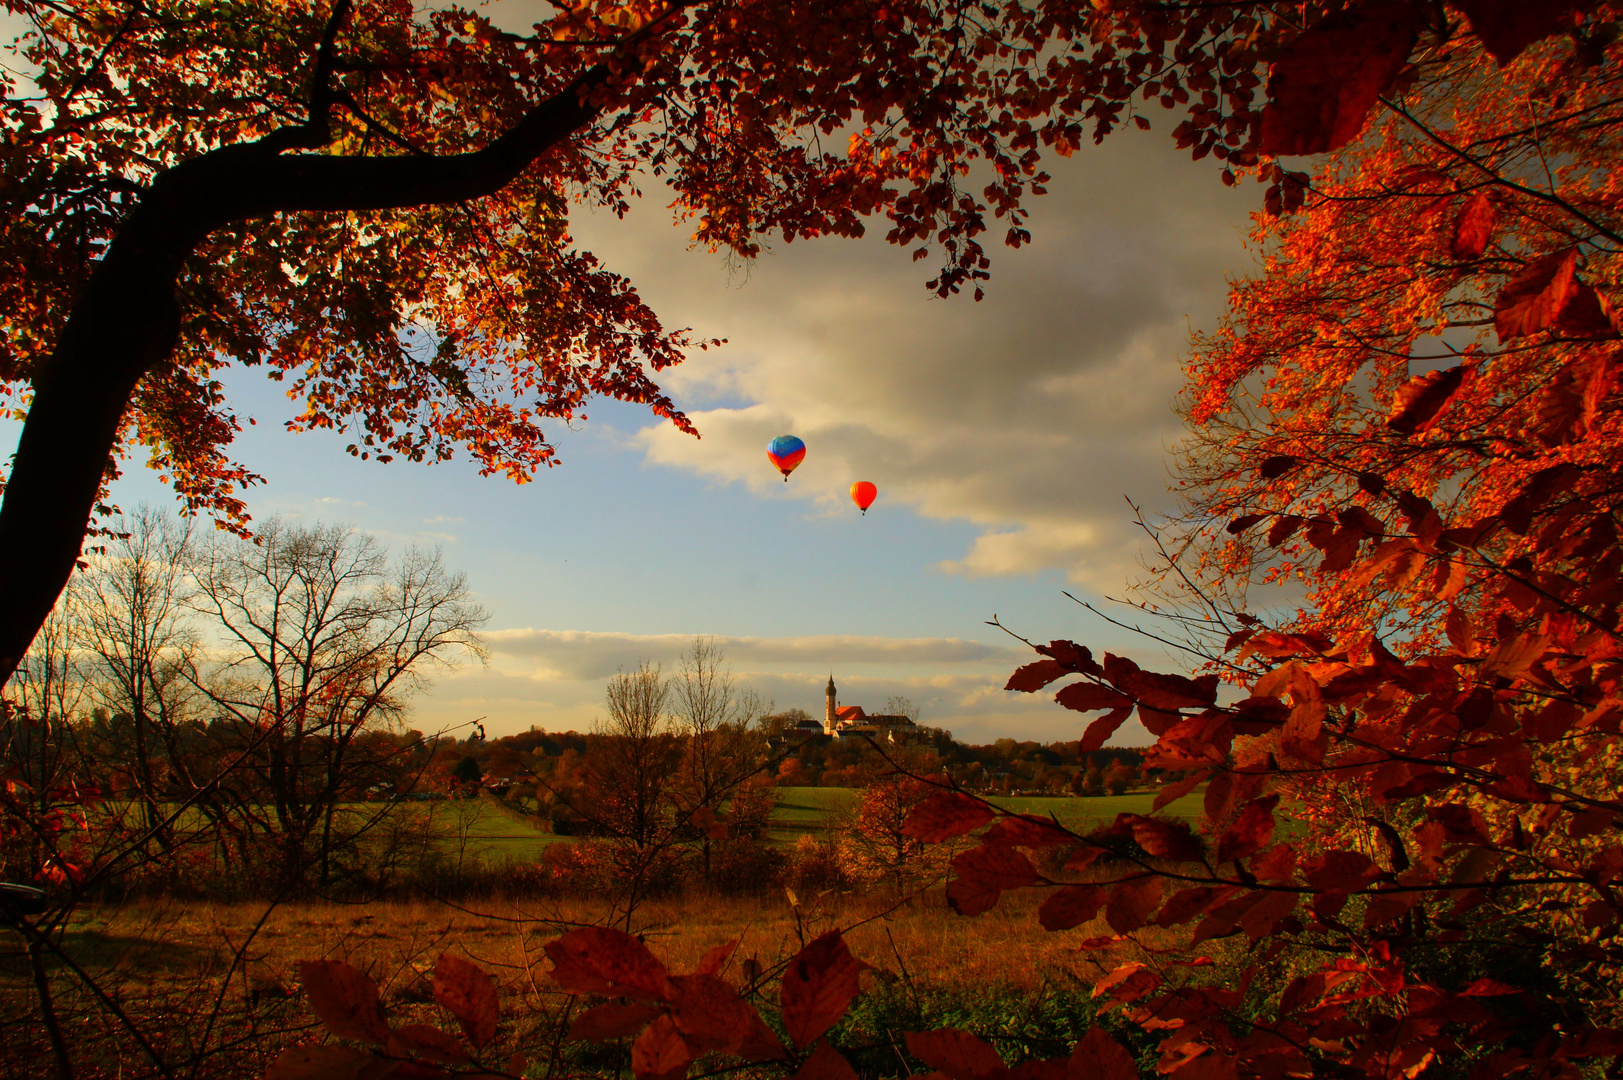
[[579, 654], [554, 679], [1030, 414]]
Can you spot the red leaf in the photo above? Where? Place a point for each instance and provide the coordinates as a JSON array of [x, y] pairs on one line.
[[344, 1000], [959, 1054], [597, 960], [1587, 315], [469, 994], [1173, 792], [1283, 528], [1188, 903], [1273, 468], [1533, 299], [1036, 675], [1242, 523], [984, 873], [1099, 1057], [712, 961], [818, 986], [710, 1015], [309, 1062], [944, 815], [1132, 903], [1163, 839], [660, 1053], [1474, 227], [1027, 830], [1250, 831], [1087, 696], [1418, 402], [423, 1040], [826, 1063], [1506, 27], [612, 1021], [1326, 81], [1099, 732], [1071, 906]]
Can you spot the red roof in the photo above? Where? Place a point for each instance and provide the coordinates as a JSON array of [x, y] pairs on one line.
[[851, 712]]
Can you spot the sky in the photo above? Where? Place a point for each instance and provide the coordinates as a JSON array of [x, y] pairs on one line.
[[1005, 437]]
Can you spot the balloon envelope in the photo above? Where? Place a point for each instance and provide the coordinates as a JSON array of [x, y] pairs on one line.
[[863, 494], [786, 452]]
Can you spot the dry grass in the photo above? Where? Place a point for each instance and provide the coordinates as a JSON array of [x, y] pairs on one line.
[[169, 965]]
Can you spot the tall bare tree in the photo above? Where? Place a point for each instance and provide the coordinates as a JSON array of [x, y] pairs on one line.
[[322, 640], [633, 767], [140, 646], [715, 715]]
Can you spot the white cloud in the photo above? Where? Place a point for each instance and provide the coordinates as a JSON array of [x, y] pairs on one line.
[[1030, 414], [579, 654], [555, 678]]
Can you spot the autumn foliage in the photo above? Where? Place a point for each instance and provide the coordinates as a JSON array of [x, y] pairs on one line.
[[1410, 854]]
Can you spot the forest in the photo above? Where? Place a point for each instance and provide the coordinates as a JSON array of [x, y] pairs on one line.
[[1373, 830]]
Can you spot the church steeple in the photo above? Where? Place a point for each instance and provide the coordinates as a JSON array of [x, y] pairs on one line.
[[829, 716]]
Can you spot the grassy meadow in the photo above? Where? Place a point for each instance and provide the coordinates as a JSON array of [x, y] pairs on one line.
[[231, 968]]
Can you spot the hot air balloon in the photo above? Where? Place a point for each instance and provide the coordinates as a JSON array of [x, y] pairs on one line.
[[786, 452], [863, 493]]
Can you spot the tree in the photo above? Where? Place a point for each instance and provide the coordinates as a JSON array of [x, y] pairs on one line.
[[1413, 413], [368, 200], [467, 772], [629, 772], [132, 624], [873, 845], [322, 640], [714, 716]]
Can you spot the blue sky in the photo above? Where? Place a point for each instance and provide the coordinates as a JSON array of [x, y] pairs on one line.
[[1003, 437]]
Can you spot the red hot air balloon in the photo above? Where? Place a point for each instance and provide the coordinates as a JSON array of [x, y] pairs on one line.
[[786, 452], [863, 494]]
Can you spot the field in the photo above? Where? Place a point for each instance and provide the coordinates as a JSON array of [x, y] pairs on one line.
[[484, 831]]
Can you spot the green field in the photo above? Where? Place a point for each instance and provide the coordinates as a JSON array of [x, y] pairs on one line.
[[808, 809]]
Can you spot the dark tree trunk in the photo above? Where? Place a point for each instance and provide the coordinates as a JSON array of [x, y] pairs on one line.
[[128, 319]]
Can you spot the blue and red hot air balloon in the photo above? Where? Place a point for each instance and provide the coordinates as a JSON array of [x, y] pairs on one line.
[[786, 452], [863, 494]]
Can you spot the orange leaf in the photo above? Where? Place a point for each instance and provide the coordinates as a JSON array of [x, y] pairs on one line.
[[469, 994], [1533, 299], [944, 815], [818, 986], [344, 1000], [1326, 81], [1418, 402], [957, 1053], [1250, 831], [1474, 227]]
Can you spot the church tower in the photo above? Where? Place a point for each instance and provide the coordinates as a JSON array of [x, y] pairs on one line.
[[829, 716]]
